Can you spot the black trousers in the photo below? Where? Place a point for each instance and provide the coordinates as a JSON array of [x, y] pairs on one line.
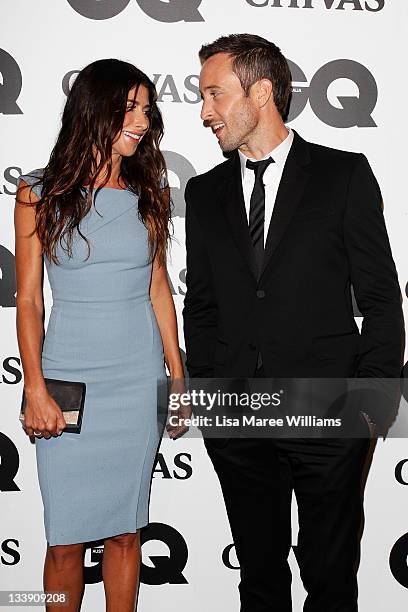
[[258, 477]]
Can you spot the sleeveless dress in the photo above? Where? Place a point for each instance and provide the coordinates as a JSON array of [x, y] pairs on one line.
[[102, 331]]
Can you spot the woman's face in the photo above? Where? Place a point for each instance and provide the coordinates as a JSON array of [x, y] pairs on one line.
[[136, 123]]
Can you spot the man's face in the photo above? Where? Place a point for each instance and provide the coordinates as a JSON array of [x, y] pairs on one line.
[[226, 109]]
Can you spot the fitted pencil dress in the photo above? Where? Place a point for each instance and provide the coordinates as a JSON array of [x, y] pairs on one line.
[[102, 330]]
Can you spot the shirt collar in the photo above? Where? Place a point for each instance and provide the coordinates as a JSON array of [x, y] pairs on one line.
[[278, 154]]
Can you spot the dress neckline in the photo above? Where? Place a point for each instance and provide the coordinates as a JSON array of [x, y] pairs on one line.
[[105, 187]]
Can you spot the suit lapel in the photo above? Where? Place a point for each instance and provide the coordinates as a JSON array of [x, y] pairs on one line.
[[291, 188], [231, 199]]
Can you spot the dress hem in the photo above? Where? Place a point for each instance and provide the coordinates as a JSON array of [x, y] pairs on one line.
[[96, 536]]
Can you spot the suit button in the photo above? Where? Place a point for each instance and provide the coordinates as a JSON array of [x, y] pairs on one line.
[[252, 346], [260, 293]]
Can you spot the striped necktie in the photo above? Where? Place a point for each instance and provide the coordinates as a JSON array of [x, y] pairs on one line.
[[257, 208]]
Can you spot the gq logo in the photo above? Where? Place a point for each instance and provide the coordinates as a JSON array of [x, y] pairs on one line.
[[9, 464], [162, 569], [10, 84], [169, 11], [398, 560], [351, 110], [183, 170], [7, 279]]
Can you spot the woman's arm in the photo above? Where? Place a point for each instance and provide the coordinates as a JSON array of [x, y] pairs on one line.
[[30, 310], [29, 301], [163, 306]]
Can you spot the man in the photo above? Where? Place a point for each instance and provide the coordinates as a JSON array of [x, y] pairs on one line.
[[275, 237]]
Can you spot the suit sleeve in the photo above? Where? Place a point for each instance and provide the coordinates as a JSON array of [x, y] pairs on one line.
[[200, 307], [375, 281], [374, 277]]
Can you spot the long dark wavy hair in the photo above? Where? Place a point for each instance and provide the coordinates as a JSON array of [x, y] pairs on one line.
[[93, 116]]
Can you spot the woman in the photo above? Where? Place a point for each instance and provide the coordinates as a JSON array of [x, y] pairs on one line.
[[99, 214]]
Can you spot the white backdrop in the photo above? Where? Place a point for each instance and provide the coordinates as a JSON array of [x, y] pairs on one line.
[[349, 88]]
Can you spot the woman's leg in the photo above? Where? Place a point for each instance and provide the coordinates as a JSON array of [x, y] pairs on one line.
[[120, 570], [64, 571]]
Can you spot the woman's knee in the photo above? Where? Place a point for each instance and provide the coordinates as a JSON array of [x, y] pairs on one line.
[[124, 540], [66, 555]]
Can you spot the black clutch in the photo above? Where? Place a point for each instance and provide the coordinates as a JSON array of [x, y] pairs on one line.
[[70, 397]]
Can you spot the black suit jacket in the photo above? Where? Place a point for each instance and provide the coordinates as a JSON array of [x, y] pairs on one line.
[[327, 233]]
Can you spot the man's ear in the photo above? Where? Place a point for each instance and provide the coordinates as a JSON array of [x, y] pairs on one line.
[[263, 92]]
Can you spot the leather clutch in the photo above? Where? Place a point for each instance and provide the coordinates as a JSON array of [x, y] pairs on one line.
[[70, 397]]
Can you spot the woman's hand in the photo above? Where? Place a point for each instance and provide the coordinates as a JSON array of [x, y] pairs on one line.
[[179, 410], [42, 415]]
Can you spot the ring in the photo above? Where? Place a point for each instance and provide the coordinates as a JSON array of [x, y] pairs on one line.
[[37, 434]]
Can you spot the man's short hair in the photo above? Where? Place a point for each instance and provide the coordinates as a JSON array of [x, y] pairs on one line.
[[255, 58]]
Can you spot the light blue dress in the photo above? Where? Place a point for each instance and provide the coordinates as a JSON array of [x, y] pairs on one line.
[[103, 331]]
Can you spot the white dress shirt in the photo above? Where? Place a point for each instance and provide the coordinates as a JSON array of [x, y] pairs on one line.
[[271, 178]]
